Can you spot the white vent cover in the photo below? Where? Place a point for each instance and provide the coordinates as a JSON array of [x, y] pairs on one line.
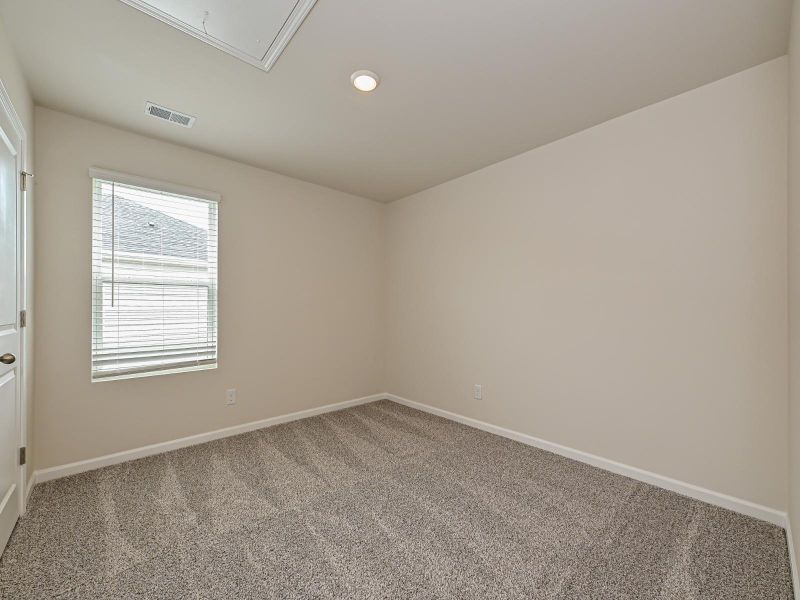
[[256, 31], [167, 114]]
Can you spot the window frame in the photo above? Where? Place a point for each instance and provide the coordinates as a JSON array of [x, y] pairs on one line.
[[211, 285]]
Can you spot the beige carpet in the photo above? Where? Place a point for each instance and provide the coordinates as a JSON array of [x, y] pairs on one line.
[[380, 501]]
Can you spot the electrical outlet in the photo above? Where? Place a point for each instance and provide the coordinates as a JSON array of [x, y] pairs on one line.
[[477, 392], [230, 397]]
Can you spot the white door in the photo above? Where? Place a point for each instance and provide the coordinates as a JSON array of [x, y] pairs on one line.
[[10, 166]]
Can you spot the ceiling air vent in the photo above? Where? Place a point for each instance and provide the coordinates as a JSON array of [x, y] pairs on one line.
[[167, 114]]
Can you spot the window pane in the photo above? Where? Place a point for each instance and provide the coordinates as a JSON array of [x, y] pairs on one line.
[[154, 280]]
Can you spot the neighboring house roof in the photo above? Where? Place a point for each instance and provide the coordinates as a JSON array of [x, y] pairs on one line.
[[143, 230]]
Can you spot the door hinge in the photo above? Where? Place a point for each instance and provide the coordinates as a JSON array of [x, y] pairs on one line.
[[23, 318], [23, 180], [22, 456]]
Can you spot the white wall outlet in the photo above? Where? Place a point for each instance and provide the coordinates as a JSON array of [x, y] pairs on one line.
[[477, 392], [230, 396]]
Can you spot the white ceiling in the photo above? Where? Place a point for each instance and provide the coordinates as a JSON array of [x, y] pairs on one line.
[[465, 83]]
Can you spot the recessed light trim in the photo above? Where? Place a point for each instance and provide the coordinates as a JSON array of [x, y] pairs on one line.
[[365, 81]]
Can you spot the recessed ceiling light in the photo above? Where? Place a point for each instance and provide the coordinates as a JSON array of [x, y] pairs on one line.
[[365, 81]]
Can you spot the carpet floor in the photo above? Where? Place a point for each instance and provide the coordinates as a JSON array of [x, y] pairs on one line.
[[380, 501]]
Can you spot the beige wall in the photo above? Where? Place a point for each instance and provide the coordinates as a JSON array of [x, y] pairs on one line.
[[794, 275], [301, 297], [17, 88], [622, 291]]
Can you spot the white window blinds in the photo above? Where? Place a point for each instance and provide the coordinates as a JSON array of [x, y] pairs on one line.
[[154, 278]]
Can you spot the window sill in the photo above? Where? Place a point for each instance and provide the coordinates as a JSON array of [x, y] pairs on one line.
[[154, 373]]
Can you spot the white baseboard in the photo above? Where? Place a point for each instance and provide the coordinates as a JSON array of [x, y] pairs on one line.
[[744, 507], [91, 464], [792, 556], [29, 488]]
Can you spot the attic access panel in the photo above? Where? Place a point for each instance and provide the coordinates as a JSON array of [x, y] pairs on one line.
[[255, 31]]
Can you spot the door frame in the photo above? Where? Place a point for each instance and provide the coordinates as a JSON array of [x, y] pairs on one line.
[[7, 107]]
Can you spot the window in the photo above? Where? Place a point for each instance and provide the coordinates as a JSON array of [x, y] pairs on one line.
[[154, 277]]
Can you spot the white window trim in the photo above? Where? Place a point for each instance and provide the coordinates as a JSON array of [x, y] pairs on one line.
[[153, 184]]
